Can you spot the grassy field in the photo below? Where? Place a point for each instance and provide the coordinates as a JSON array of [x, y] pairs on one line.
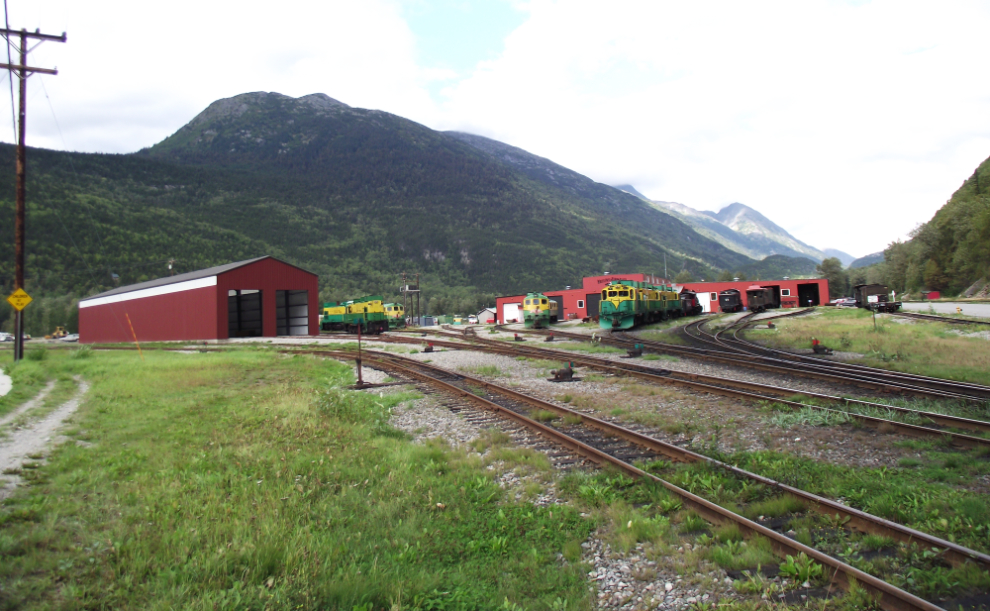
[[251, 480], [935, 349]]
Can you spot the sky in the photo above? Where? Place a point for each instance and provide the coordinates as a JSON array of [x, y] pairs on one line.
[[846, 123]]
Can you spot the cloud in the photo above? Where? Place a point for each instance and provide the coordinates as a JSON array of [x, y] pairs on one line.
[[845, 124], [133, 73]]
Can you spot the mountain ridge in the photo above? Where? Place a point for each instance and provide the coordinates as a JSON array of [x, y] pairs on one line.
[[355, 195]]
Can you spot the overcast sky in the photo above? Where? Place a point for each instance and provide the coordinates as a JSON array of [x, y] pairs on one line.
[[847, 123]]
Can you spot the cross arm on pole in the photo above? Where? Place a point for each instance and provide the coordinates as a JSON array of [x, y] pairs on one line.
[[27, 69], [36, 35]]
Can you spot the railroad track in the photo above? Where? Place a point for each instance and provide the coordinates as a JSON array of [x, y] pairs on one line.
[[935, 318], [913, 383], [605, 443], [764, 392]]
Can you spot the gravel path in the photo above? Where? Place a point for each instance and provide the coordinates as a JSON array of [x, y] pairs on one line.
[[30, 404], [32, 440]]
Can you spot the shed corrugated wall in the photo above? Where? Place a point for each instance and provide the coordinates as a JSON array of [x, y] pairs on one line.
[[198, 313]]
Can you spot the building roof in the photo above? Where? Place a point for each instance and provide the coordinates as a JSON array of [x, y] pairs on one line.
[[203, 273]]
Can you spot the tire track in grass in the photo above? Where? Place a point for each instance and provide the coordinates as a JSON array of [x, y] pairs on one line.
[[35, 438]]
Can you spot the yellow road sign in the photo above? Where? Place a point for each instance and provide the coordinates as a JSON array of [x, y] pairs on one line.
[[19, 299]]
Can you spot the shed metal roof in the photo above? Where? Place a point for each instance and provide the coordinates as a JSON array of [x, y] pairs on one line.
[[203, 273]]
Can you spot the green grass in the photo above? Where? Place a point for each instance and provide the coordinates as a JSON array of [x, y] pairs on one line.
[[926, 348], [489, 371], [27, 378], [592, 349], [245, 480]]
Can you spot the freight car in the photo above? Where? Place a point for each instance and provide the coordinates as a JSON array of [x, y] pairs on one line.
[[539, 311], [759, 299], [690, 304], [396, 315], [366, 314], [627, 303], [875, 297], [730, 300]]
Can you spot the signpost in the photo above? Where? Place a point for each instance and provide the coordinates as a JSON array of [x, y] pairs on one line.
[[19, 300]]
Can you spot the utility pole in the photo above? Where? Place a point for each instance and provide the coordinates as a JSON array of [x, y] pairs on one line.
[[23, 71]]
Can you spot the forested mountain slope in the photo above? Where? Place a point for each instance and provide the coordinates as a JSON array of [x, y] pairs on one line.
[[949, 252], [354, 195]]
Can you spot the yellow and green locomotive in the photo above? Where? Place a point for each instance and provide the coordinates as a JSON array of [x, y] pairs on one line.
[[627, 303], [366, 314], [539, 311], [396, 315]]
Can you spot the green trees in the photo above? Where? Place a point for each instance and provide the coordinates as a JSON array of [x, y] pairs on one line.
[[838, 281], [684, 276]]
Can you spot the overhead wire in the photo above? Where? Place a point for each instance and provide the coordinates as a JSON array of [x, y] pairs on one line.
[[13, 113]]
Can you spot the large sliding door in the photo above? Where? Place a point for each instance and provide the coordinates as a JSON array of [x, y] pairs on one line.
[[292, 312]]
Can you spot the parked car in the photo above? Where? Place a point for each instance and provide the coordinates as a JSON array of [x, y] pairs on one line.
[[845, 302], [472, 320], [6, 337], [71, 337]]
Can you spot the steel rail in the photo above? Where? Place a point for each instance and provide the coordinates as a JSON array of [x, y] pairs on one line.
[[739, 388], [864, 522], [890, 597], [979, 391], [665, 376], [938, 419], [934, 318], [914, 384]]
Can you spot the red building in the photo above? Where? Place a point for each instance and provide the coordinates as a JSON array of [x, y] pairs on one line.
[[253, 298], [583, 302]]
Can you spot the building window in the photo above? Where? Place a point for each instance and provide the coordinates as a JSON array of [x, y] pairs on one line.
[[785, 292], [713, 296], [580, 303]]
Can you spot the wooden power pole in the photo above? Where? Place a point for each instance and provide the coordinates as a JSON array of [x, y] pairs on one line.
[[23, 71]]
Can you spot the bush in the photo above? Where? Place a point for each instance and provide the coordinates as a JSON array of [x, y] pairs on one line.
[[37, 354]]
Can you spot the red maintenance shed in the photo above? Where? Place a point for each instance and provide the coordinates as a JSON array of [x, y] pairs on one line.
[[583, 302], [261, 297]]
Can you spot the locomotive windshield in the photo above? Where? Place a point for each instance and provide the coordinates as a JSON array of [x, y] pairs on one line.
[[623, 293]]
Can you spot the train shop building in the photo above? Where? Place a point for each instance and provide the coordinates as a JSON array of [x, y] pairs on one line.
[[583, 302], [787, 293], [572, 303], [261, 297]]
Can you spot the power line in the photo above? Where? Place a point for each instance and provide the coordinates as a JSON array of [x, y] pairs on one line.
[[23, 72], [13, 115]]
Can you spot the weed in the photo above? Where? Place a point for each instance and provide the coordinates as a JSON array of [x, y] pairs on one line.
[[36, 354], [545, 416], [801, 569]]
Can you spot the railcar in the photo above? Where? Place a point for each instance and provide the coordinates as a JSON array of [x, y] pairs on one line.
[[366, 314], [627, 303], [396, 315], [759, 299], [875, 297], [333, 316], [539, 311], [690, 304], [730, 300]]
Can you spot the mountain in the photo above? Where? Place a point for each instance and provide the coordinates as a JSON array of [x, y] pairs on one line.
[[952, 250], [870, 259], [355, 195], [845, 258], [742, 229]]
